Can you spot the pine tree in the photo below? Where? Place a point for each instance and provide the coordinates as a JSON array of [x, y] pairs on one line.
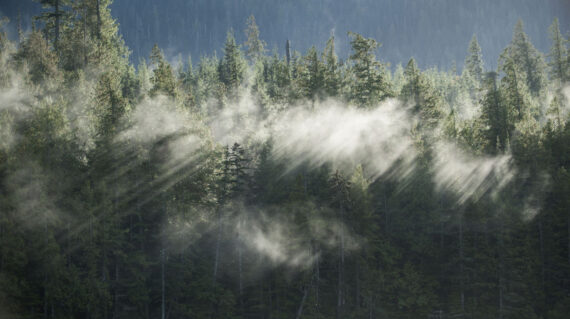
[[514, 87], [527, 59], [419, 92], [558, 64], [163, 77], [53, 19], [494, 115], [312, 79], [331, 69], [232, 67], [255, 46], [474, 60], [370, 81], [40, 60]]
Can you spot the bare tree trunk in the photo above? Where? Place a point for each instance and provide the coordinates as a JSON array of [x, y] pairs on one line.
[[318, 278], [357, 284], [288, 51], [45, 270], [218, 240], [57, 14], [163, 299], [340, 297], [99, 19], [300, 310], [84, 35], [461, 264], [501, 266], [240, 266], [116, 297], [541, 238]]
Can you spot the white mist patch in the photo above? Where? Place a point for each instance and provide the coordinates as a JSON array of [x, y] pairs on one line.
[[345, 136], [275, 242], [467, 176], [380, 139], [35, 206], [566, 105], [15, 104], [280, 240], [154, 119], [159, 120], [238, 121]]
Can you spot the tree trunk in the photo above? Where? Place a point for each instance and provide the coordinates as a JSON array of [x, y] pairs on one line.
[[541, 239], [340, 268], [318, 278], [218, 240], [501, 268], [163, 299], [99, 19], [240, 266], [84, 35], [57, 14], [116, 297], [300, 310], [461, 279]]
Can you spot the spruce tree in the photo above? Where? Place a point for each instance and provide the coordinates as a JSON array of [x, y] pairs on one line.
[[53, 20], [558, 64], [255, 46], [232, 67], [331, 69], [527, 58], [370, 81], [474, 60], [163, 77]]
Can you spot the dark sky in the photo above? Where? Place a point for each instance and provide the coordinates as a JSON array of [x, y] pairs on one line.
[[435, 32]]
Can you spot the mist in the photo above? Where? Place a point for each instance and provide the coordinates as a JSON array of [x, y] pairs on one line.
[[318, 183]]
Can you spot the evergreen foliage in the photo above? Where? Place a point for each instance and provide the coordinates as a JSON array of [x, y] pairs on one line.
[[124, 194]]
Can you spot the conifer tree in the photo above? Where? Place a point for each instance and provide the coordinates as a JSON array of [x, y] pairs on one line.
[[232, 67], [54, 19], [370, 80], [312, 78], [494, 115], [163, 77], [527, 58], [558, 64], [40, 60], [331, 69], [418, 91], [514, 87], [255, 46], [474, 60]]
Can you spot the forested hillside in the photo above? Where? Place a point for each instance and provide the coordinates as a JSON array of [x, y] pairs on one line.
[[254, 184]]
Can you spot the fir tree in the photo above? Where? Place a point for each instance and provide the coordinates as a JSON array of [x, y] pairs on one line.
[[558, 64], [255, 46], [474, 60], [370, 81]]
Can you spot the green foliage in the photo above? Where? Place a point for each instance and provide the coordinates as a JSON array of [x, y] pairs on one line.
[[40, 61], [527, 58], [474, 60], [370, 81], [232, 67], [255, 46], [558, 64], [101, 218], [163, 81], [420, 93]]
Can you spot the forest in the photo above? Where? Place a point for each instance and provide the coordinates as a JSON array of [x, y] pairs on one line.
[[279, 184]]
